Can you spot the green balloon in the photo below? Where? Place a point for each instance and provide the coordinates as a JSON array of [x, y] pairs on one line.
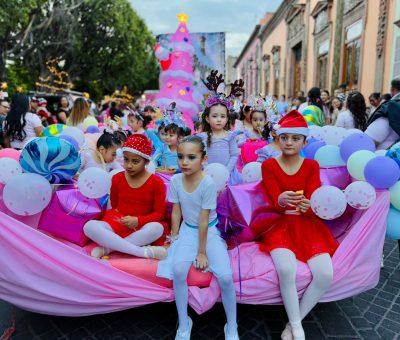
[[395, 195], [357, 162]]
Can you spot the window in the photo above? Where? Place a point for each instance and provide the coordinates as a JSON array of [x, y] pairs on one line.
[[267, 74], [322, 64], [276, 63], [396, 66], [351, 57]]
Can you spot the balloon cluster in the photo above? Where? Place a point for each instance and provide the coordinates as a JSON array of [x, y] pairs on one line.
[[52, 159], [373, 169]]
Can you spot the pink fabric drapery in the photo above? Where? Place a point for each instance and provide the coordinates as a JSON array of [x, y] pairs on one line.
[[43, 275]]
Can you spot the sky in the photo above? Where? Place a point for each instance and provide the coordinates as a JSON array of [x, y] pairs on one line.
[[237, 18]]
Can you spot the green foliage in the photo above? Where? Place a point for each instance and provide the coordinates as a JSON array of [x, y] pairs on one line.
[[18, 75], [104, 43]]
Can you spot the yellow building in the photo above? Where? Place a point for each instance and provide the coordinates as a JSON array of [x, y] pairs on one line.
[[326, 43]]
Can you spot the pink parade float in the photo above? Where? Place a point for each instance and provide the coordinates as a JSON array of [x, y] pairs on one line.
[[48, 274]]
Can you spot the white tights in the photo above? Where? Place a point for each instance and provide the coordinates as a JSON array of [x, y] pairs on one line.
[[102, 233], [322, 272], [228, 295]]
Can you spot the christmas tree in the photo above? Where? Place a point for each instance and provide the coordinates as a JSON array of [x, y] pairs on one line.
[[177, 82]]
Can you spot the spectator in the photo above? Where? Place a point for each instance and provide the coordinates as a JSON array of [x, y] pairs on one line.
[[80, 111], [43, 113], [355, 117], [374, 100], [384, 124], [326, 106], [4, 108], [114, 111], [33, 104], [337, 107], [63, 110], [20, 126]]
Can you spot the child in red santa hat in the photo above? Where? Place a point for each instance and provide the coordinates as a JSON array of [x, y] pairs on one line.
[[298, 234], [137, 197]]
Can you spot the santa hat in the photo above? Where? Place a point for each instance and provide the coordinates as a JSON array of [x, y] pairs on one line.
[[294, 123], [139, 145], [42, 101]]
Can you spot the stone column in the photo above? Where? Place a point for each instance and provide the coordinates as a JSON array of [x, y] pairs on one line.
[[337, 45]]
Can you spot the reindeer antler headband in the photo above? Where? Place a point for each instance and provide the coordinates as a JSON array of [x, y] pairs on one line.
[[213, 82]]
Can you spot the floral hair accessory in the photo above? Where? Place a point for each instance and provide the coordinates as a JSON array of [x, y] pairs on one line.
[[172, 116], [213, 82], [267, 105]]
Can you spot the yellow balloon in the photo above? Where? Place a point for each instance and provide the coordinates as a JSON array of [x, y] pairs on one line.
[[357, 162], [90, 121]]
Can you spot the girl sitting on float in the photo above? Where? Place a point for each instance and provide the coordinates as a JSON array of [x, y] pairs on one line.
[[136, 218], [196, 240], [298, 234]]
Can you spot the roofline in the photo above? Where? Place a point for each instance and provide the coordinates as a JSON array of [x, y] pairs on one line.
[[280, 12]]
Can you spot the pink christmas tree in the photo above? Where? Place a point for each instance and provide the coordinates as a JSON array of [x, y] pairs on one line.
[[177, 82]]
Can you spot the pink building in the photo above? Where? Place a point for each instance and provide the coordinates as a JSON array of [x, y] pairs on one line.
[[248, 65]]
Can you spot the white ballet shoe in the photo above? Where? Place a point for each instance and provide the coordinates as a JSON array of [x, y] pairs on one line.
[[230, 336], [154, 252], [287, 333], [99, 252], [186, 334]]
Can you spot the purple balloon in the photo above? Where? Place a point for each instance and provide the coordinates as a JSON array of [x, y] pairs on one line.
[[381, 172], [92, 129], [311, 148], [70, 139], [356, 142]]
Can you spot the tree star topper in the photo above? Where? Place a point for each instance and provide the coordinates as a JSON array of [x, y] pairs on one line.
[[182, 17]]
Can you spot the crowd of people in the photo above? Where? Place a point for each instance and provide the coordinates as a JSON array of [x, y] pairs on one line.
[[135, 223]]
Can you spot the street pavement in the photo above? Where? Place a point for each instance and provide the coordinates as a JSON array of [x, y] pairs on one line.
[[374, 314]]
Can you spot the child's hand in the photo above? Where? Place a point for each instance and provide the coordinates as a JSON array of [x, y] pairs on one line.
[[290, 198], [304, 205], [201, 262], [129, 222]]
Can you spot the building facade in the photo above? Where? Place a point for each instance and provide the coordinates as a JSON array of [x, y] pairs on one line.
[[324, 43]]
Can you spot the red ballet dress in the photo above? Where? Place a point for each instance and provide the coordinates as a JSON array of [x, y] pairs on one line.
[[303, 233], [147, 203]]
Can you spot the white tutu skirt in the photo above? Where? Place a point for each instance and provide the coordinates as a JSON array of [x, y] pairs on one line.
[[186, 248]]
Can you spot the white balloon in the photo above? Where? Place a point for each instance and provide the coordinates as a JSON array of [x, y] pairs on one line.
[[94, 182], [333, 135], [76, 133], [360, 195], [162, 53], [328, 202], [151, 167], [252, 172], [219, 173], [115, 171], [315, 132], [9, 168], [27, 194]]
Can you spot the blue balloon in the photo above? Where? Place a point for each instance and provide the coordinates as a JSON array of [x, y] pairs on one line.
[[311, 149], [72, 140], [92, 129], [393, 224], [51, 157]]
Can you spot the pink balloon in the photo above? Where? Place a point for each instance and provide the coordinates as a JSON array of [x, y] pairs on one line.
[[10, 153]]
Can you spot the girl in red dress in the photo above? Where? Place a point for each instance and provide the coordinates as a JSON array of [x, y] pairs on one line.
[[138, 208], [298, 234]]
